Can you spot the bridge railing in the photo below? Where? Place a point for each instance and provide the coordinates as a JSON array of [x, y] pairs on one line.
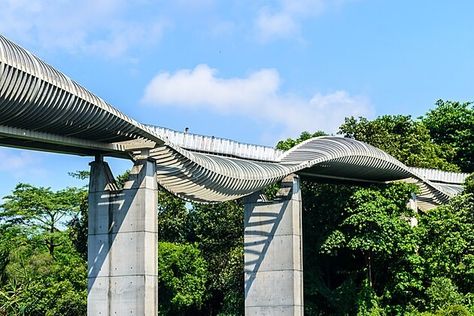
[[220, 146], [441, 176]]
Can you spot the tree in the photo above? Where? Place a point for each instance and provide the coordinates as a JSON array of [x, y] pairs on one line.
[[329, 287], [359, 248], [469, 184], [218, 229], [377, 230], [42, 209], [442, 293], [173, 218], [289, 142], [35, 283], [452, 123], [447, 243], [407, 140], [182, 277]]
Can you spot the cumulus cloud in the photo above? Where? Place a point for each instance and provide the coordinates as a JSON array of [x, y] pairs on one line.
[[89, 26], [257, 96], [284, 20]]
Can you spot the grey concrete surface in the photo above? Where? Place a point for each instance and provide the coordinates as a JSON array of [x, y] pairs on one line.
[[273, 253], [123, 242]]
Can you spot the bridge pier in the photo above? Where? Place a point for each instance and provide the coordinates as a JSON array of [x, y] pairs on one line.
[[123, 242], [273, 254]]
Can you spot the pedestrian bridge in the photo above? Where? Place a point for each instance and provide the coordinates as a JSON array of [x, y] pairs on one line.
[[43, 109]]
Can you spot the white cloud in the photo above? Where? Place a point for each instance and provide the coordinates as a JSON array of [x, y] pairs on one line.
[[285, 20], [256, 96], [19, 163], [88, 26]]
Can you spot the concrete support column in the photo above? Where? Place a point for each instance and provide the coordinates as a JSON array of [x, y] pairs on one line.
[[273, 253], [123, 242], [413, 204]]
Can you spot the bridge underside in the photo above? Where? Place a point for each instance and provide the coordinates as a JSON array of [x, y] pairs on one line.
[[27, 139]]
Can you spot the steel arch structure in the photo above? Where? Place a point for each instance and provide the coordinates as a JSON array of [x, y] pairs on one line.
[[41, 108]]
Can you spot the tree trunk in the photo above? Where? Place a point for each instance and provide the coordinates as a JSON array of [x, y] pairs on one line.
[[368, 261], [51, 244]]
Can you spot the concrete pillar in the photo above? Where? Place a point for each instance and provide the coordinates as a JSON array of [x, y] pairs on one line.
[[123, 242], [413, 204], [273, 253]]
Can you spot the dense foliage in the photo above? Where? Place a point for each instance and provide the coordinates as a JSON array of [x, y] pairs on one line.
[[33, 282], [365, 251], [182, 277], [407, 140], [452, 124]]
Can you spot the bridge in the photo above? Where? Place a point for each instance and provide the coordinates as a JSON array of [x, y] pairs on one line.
[[43, 109]]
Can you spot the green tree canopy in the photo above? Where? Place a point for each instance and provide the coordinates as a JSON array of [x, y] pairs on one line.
[[182, 277], [35, 283], [452, 124], [405, 139], [219, 231], [173, 218], [289, 142], [41, 209]]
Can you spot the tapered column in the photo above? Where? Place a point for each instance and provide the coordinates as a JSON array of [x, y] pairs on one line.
[[273, 253], [122, 242]]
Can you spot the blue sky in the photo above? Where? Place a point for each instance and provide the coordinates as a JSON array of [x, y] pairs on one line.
[[253, 71]]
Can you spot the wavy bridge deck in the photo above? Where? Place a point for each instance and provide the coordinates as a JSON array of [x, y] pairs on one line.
[[42, 109]]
